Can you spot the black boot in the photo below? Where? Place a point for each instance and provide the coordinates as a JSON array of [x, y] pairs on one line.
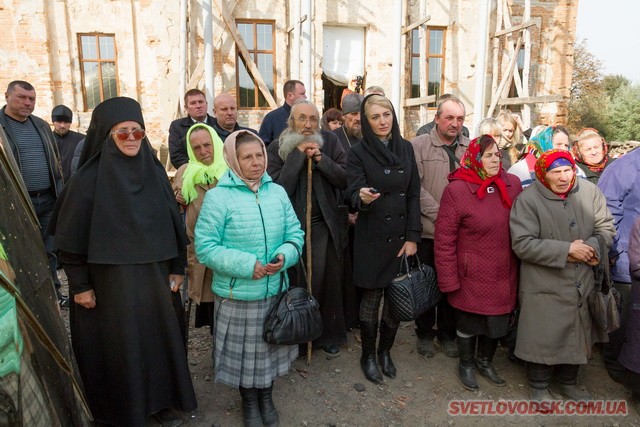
[[539, 376], [250, 408], [486, 349], [368, 332], [387, 337], [466, 367], [267, 409], [566, 378]]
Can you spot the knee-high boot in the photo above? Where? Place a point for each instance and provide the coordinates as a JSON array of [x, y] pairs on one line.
[[250, 408], [466, 367], [486, 350], [368, 333], [539, 376], [267, 408], [387, 337]]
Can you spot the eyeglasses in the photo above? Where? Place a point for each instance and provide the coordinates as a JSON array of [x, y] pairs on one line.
[[313, 120], [123, 134]]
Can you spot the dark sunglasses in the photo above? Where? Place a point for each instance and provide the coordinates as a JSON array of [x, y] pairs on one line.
[[123, 134]]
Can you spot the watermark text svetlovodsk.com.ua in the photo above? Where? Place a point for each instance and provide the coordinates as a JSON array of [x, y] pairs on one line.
[[532, 407]]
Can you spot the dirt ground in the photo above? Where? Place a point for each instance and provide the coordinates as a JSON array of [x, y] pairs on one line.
[[325, 393]]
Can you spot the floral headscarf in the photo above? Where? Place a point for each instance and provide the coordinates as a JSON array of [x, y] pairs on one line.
[[471, 170], [198, 173], [550, 160], [605, 150]]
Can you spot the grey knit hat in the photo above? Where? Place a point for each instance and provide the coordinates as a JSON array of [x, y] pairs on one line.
[[351, 103]]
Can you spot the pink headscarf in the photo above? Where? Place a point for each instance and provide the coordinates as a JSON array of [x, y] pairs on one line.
[[231, 157]]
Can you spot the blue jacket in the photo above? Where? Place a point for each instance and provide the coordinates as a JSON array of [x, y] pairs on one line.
[[619, 183], [238, 227], [274, 123]]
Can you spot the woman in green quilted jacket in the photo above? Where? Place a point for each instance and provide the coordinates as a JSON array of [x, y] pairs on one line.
[[248, 234]]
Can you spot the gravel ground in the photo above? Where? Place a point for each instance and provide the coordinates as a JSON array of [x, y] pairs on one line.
[[326, 393]]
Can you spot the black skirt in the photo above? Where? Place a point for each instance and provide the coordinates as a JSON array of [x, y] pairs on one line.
[[129, 348], [480, 324]]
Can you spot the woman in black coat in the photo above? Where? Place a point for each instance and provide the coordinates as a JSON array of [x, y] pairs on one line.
[[384, 189]]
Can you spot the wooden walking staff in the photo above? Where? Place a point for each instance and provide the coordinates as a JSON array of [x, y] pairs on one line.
[[308, 241]]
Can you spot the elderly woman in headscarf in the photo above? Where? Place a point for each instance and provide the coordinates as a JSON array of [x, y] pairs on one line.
[[476, 267], [558, 225], [122, 243], [205, 167], [590, 151], [248, 234]]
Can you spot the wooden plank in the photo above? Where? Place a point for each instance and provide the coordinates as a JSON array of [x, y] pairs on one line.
[[244, 52], [413, 102], [197, 74], [410, 27], [514, 29], [505, 79], [531, 100]]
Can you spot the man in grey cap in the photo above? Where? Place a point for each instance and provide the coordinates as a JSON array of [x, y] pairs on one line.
[[350, 133], [66, 139]]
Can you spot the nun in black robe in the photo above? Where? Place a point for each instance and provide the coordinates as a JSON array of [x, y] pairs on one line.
[[120, 235]]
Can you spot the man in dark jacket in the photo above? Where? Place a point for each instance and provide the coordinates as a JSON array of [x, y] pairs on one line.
[[196, 104], [303, 141], [276, 121], [66, 139], [350, 133], [34, 148], [225, 109]]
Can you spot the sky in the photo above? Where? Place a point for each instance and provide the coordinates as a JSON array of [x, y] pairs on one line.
[[612, 30]]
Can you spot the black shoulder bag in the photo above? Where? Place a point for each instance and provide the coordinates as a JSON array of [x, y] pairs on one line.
[[295, 317]]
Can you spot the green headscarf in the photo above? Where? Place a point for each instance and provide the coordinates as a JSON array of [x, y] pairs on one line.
[[198, 173]]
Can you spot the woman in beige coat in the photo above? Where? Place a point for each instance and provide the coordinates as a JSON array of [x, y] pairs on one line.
[[206, 165], [554, 224]]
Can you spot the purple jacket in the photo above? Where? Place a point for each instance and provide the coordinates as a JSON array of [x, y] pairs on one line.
[[630, 354], [618, 182]]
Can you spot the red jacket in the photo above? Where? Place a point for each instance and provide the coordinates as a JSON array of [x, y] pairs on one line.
[[475, 264]]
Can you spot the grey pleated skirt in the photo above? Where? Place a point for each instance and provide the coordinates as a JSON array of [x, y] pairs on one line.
[[242, 357]]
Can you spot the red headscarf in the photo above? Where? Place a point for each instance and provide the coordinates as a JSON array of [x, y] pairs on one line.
[[546, 162], [471, 170]]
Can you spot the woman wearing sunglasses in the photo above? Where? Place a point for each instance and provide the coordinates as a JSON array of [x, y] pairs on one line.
[[122, 243]]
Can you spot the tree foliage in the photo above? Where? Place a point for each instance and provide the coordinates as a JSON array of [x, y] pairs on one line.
[[609, 103]]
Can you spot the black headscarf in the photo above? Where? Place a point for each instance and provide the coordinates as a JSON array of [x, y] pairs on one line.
[[391, 156], [118, 209]]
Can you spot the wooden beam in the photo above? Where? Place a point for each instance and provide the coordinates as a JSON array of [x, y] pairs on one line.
[[244, 52], [198, 72], [531, 100], [506, 78], [413, 102], [514, 29], [410, 27]]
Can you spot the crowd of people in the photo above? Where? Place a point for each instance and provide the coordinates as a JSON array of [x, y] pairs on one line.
[[514, 222]]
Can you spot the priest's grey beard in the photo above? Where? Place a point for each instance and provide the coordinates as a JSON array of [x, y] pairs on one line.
[[290, 139]]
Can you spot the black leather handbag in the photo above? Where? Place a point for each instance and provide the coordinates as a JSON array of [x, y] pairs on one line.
[[294, 318], [413, 291]]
